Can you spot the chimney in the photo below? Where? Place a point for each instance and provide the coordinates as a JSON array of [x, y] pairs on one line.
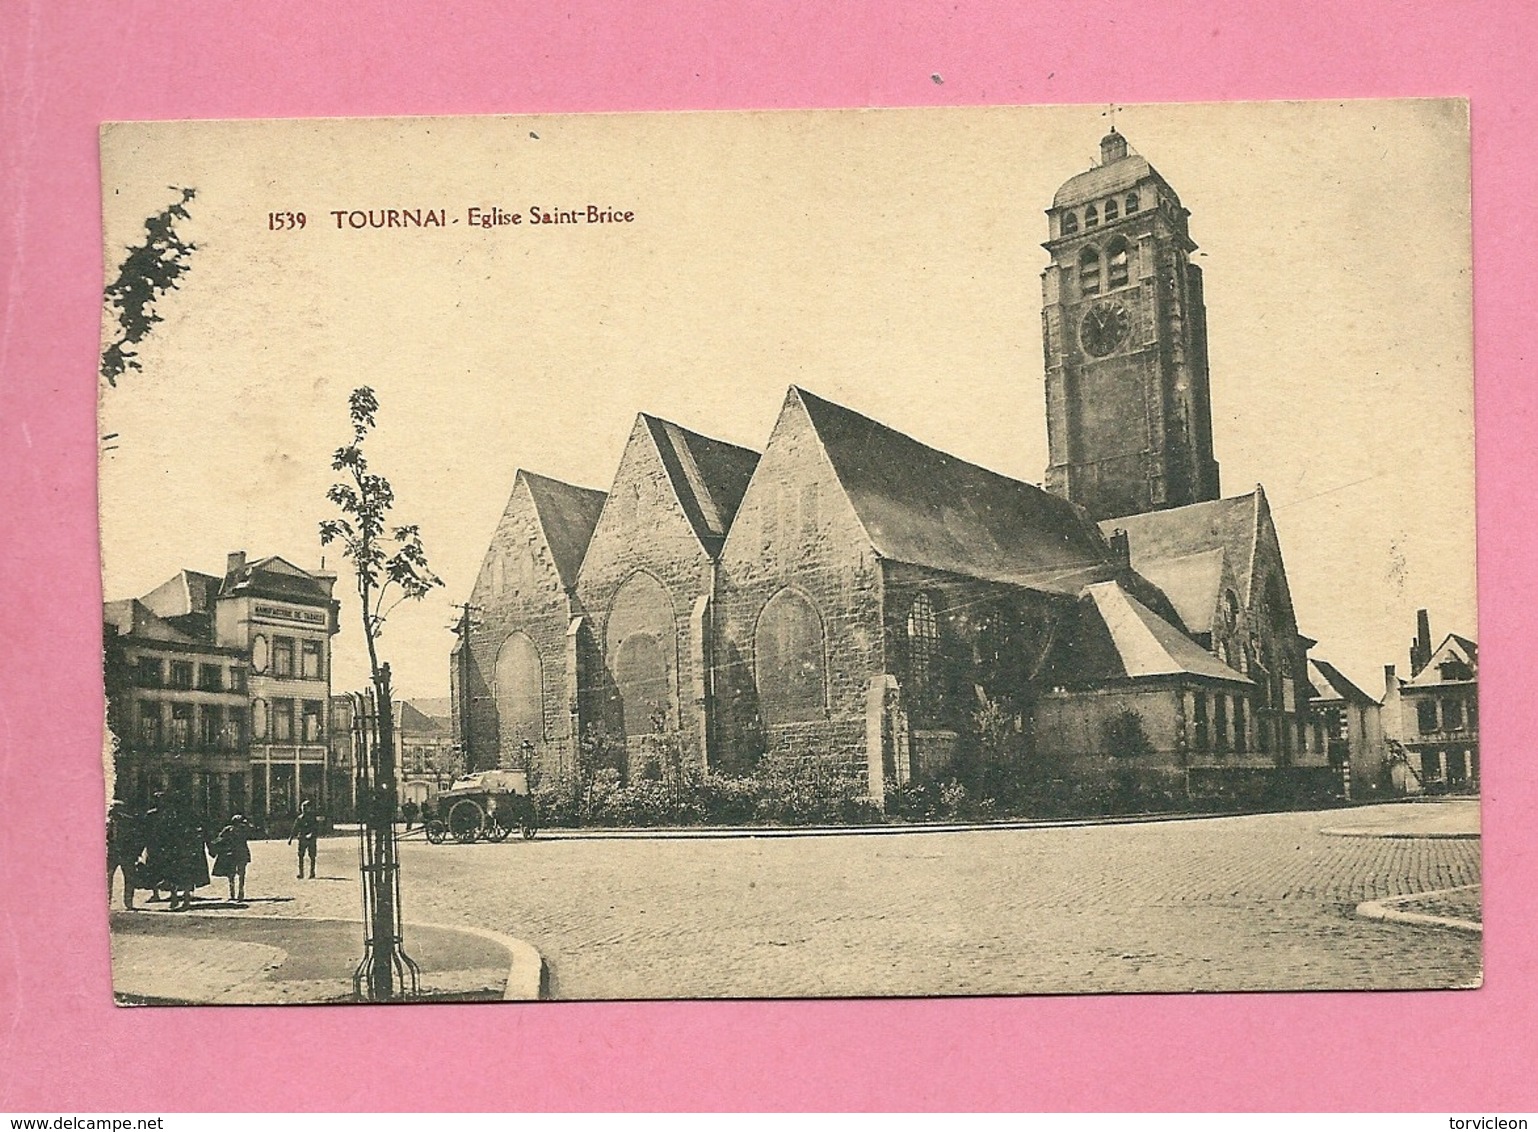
[[1420, 652], [1390, 681], [1113, 147], [235, 563], [1121, 547]]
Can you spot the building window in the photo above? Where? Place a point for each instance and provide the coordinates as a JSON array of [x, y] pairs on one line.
[[259, 719], [1426, 715], [149, 672], [312, 720], [788, 660], [1110, 210], [149, 723], [1452, 715], [259, 654], [181, 674], [1199, 721], [923, 652], [181, 725], [1091, 217], [1117, 265], [1241, 732], [210, 678], [237, 679], [236, 728], [283, 656], [210, 723], [1070, 223], [1089, 271], [312, 663], [283, 720], [1220, 723], [1474, 713], [1132, 203]]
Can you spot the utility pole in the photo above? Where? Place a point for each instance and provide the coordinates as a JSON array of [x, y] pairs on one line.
[[463, 628]]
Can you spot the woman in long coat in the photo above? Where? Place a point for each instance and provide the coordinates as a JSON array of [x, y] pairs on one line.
[[186, 858], [232, 854]]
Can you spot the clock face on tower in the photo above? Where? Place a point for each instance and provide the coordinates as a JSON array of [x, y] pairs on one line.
[[1104, 328]]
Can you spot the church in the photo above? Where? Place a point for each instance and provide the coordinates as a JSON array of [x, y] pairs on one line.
[[853, 600]]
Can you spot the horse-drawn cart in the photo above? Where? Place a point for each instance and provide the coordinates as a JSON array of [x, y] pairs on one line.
[[488, 805]]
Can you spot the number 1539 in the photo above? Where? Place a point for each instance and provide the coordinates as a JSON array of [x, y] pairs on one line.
[[284, 221]]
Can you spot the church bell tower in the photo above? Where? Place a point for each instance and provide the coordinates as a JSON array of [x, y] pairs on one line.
[[1124, 330]]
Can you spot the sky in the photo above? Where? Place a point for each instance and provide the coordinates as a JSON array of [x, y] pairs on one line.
[[889, 260]]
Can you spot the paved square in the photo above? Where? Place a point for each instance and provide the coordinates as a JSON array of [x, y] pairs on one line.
[[1234, 903]]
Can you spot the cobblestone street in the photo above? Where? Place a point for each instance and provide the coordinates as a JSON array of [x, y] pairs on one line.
[[1235, 903]]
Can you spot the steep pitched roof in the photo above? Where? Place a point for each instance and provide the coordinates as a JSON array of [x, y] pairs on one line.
[[1453, 648], [1330, 684], [567, 514], [928, 508], [1182, 551], [709, 477], [1117, 637], [409, 718]]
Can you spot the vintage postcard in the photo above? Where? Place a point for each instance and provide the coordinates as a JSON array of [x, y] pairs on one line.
[[833, 553]]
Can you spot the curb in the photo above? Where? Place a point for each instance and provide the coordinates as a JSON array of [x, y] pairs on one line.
[[1388, 910], [527, 977]]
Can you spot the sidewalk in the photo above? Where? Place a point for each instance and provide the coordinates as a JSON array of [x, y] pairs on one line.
[[226, 955], [1451, 817]]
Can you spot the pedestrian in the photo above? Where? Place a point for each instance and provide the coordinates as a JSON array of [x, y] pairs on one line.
[[232, 854], [187, 862], [409, 812], [159, 839], [307, 830], [125, 844]]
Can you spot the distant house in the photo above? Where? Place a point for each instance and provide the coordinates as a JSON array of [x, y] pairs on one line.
[[218, 686], [1434, 715], [1348, 727]]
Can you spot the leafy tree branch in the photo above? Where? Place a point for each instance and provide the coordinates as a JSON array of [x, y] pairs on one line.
[[150, 270]]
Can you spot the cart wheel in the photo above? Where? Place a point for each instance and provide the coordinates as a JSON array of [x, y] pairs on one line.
[[437, 832], [465, 821], [530, 826], [495, 830]]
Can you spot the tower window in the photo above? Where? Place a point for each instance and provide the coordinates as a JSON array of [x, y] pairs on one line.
[[1131, 203], [1116, 266], [1070, 223], [1110, 210], [1089, 271], [1091, 217]]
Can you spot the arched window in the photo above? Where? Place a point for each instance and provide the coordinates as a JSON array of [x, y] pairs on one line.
[[1070, 223], [519, 690], [1091, 217], [788, 660], [1110, 210], [923, 652], [1117, 264], [641, 637], [1089, 271], [641, 676], [1132, 203]]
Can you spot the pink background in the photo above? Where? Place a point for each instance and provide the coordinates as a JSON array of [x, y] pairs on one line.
[[66, 66]]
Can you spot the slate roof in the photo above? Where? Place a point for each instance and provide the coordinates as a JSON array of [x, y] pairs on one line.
[[410, 719], [1182, 549], [1104, 180], [709, 477], [276, 577], [928, 508], [1117, 637], [567, 514], [1331, 685]]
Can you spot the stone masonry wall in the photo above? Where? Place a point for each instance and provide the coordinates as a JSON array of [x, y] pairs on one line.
[[796, 528]]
